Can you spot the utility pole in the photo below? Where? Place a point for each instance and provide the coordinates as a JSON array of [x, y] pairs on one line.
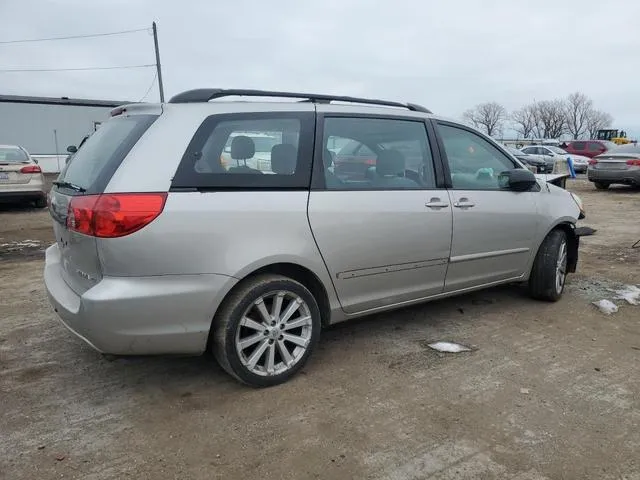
[[158, 66]]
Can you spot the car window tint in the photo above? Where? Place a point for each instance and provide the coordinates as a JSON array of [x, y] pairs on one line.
[[378, 154], [92, 166], [530, 150], [595, 147], [249, 150], [474, 163], [578, 145]]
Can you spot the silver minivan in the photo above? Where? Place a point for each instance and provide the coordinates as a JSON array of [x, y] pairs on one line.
[[172, 237]]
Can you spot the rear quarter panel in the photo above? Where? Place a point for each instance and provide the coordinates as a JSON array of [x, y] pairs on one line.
[[225, 233]]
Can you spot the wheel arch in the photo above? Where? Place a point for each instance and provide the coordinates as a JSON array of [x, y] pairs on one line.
[[567, 225], [295, 271]]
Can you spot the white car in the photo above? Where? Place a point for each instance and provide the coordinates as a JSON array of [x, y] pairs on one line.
[[580, 163]]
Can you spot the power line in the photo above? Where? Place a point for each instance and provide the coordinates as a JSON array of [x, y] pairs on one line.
[[150, 87], [30, 40], [14, 70]]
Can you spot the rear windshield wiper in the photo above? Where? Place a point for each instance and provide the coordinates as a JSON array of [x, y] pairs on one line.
[[70, 186]]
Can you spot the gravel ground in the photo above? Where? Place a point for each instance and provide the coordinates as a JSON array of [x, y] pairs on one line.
[[549, 391]]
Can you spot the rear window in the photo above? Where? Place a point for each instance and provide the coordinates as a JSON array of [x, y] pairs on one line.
[[12, 155], [249, 150], [93, 165]]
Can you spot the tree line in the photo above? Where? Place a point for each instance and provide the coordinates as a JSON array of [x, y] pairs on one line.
[[575, 116]]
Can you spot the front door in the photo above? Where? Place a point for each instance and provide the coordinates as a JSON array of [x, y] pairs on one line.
[[493, 229], [384, 230]]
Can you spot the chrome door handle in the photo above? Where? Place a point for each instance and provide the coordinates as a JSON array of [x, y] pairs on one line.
[[436, 203], [464, 203]]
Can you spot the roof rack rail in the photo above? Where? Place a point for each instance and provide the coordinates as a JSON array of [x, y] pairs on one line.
[[205, 94]]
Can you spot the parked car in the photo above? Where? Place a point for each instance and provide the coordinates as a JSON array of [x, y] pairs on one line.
[[619, 165], [153, 255], [21, 177], [533, 160], [552, 154], [589, 148]]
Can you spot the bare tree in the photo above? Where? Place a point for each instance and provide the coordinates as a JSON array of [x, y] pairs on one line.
[[577, 109], [488, 117], [597, 120], [524, 121], [549, 118]]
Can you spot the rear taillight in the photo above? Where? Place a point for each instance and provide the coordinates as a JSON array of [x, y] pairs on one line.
[[31, 169], [114, 215], [634, 163], [370, 161], [593, 161]]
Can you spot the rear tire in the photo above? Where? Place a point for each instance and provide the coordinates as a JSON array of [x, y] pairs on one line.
[[41, 202], [266, 330], [549, 272], [601, 185]]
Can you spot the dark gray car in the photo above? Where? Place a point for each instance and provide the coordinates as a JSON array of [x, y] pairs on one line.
[[619, 165]]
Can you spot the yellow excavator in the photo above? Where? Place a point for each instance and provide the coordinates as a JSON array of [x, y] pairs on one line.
[[619, 137]]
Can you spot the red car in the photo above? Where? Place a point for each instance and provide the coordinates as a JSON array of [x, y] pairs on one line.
[[589, 148]]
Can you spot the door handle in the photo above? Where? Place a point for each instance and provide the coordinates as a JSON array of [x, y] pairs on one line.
[[436, 203], [464, 203]]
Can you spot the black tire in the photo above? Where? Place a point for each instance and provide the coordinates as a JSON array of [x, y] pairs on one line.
[[227, 323], [601, 185], [41, 202], [543, 284]]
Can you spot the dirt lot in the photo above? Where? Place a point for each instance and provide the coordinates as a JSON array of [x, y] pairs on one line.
[[550, 391]]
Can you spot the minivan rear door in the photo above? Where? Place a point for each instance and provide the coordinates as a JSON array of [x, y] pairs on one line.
[[88, 174]]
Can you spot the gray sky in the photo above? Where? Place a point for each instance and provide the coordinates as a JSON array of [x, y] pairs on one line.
[[447, 55]]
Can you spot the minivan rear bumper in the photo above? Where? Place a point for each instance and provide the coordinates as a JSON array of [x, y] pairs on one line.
[[168, 314]]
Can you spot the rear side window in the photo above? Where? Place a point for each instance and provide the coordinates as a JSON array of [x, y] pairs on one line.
[[256, 150], [595, 147], [578, 145], [100, 156]]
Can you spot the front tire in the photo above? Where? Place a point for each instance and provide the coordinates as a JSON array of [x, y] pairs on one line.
[[549, 272], [266, 330], [601, 185]]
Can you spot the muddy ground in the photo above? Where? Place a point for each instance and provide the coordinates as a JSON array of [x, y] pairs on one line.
[[550, 391]]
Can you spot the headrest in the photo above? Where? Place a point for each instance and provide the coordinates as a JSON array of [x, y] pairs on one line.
[[284, 157], [329, 158], [390, 163], [242, 147]]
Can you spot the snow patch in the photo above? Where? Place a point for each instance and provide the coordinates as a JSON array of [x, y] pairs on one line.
[[449, 347], [606, 306]]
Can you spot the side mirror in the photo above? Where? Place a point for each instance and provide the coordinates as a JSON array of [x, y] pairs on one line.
[[517, 180], [72, 149]]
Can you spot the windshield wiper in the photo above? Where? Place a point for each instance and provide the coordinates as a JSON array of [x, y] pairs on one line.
[[71, 186]]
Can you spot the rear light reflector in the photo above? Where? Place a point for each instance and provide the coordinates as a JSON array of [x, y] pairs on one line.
[[114, 215], [31, 169], [634, 163]]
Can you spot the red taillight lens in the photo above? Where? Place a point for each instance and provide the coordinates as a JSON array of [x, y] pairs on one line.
[[114, 215], [31, 169], [370, 161], [593, 161], [634, 163]]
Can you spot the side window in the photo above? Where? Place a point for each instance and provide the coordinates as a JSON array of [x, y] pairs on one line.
[[474, 163], [376, 154], [579, 145], [530, 150], [249, 150], [595, 147]]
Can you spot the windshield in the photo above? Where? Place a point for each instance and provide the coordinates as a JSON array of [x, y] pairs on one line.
[[557, 150], [12, 155], [514, 151]]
